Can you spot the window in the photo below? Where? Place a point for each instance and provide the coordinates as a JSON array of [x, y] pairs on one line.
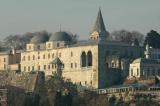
[[52, 66], [44, 67], [71, 65], [28, 68], [38, 57], [83, 59], [85, 82], [80, 83], [4, 59], [89, 58], [53, 55], [44, 56], [48, 66], [112, 64], [24, 68], [71, 54], [91, 82], [48, 56], [58, 45]]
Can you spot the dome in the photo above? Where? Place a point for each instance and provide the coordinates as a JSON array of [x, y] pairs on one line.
[[60, 36], [39, 38]]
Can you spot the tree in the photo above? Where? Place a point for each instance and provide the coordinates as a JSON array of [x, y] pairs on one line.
[[153, 39], [20, 41], [127, 36], [136, 42]]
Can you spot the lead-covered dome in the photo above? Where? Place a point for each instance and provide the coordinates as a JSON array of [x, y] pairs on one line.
[[60, 36], [39, 38]]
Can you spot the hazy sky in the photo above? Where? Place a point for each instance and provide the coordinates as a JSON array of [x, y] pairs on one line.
[[77, 16]]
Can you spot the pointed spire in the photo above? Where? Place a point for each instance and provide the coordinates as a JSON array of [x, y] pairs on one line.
[[99, 25]]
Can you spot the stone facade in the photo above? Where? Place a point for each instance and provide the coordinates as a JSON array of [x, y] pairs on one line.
[[10, 60]]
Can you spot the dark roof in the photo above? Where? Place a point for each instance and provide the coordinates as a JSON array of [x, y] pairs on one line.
[[39, 38], [56, 61], [60, 36], [146, 61], [99, 25]]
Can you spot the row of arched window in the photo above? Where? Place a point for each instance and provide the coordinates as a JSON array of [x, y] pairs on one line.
[[86, 59]]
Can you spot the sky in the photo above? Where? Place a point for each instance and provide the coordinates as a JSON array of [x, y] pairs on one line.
[[77, 16]]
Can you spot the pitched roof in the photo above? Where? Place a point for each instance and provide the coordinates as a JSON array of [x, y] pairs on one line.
[[99, 25], [146, 61], [56, 61]]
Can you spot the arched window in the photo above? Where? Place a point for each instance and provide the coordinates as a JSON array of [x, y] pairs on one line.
[[28, 58], [44, 56], [83, 59], [71, 54], [48, 56], [53, 55], [28, 68], [89, 58]]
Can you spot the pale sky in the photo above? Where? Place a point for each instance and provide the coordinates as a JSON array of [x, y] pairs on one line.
[[77, 16]]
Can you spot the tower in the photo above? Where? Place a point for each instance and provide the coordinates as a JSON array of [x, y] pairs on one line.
[[99, 31], [147, 52]]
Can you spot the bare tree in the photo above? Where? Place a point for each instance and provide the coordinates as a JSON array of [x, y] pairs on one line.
[[127, 36]]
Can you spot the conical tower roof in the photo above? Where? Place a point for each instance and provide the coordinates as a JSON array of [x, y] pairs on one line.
[[99, 25]]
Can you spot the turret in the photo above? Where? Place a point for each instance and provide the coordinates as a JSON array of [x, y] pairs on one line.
[[147, 52], [99, 31]]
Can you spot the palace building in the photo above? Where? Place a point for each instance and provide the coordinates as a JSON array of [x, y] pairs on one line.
[[148, 66], [97, 62]]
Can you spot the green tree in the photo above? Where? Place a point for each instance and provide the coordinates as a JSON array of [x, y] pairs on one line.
[[153, 39]]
